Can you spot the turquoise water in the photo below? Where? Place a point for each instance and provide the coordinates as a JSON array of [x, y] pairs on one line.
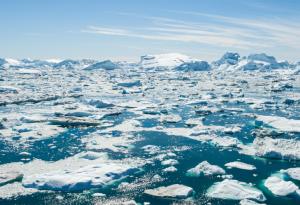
[[69, 144]]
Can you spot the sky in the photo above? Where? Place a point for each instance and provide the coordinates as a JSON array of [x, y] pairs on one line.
[[127, 29]]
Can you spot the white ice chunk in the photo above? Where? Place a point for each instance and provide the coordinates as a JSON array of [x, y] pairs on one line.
[[279, 187], [240, 165], [234, 190], [170, 118], [169, 60], [170, 169], [280, 123], [173, 191], [249, 202], [205, 169], [83, 178], [8, 177], [293, 173], [277, 148], [169, 162]]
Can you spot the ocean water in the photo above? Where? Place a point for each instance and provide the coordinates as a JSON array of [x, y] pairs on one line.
[[188, 152]]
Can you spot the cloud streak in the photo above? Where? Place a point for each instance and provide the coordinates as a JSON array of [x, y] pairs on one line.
[[214, 30]]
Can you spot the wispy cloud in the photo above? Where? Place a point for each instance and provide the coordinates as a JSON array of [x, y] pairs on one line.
[[215, 30]]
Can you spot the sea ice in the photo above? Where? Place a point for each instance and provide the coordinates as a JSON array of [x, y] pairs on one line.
[[249, 202], [177, 191], [277, 148], [205, 169], [169, 162], [170, 169], [240, 165], [9, 177], [87, 177], [280, 123], [234, 190], [293, 173], [279, 187]]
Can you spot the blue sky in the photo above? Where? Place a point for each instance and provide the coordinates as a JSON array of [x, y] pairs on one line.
[[127, 29]]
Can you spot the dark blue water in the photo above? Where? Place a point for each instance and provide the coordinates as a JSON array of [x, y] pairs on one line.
[[69, 143]]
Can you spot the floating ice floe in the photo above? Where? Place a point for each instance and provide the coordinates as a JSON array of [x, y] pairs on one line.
[[74, 121], [129, 84], [169, 60], [194, 121], [105, 65], [293, 173], [169, 162], [176, 191], [279, 187], [234, 190], [92, 155], [151, 149], [170, 169], [227, 60], [195, 65], [225, 141], [91, 176], [131, 202], [205, 169], [277, 148], [29, 72], [249, 202], [74, 173], [99, 103], [170, 118], [9, 177], [280, 123], [8, 89], [98, 141], [31, 131], [240, 165], [14, 190]]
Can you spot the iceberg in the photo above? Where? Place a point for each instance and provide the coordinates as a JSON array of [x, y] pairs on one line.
[[170, 118], [249, 202], [193, 66], [170, 169], [280, 123], [279, 187], [9, 177], [293, 173], [277, 148], [105, 65], [73, 64], [169, 162], [9, 89], [169, 61], [228, 59], [234, 190], [14, 190], [205, 169], [129, 84], [91, 176], [240, 165], [175, 191]]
